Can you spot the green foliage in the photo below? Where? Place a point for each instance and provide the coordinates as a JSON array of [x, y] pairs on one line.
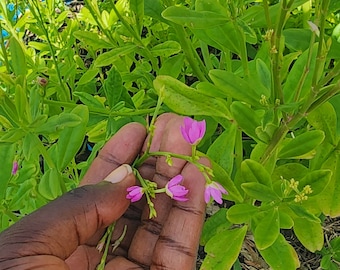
[[266, 80]]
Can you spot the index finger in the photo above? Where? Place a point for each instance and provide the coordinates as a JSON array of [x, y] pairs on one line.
[[122, 148]]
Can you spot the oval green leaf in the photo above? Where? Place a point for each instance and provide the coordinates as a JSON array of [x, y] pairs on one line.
[[186, 100], [309, 233], [221, 254], [302, 144], [241, 213], [267, 230]]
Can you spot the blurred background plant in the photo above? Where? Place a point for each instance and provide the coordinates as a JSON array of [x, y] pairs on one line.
[[263, 74]]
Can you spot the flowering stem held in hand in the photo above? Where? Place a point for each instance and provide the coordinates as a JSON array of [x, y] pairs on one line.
[[105, 239]]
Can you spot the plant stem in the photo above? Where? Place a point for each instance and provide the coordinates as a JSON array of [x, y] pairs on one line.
[[65, 92], [135, 36], [4, 51], [191, 55], [266, 13], [277, 52], [99, 22], [106, 238], [321, 17], [306, 69]]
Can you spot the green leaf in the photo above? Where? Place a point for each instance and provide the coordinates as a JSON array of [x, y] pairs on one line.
[[71, 138], [264, 74], [50, 184], [249, 33], [297, 39], [92, 39], [213, 225], [210, 89], [18, 57], [222, 149], [318, 180], [172, 66], [153, 9], [268, 229], [302, 212], [220, 254], [58, 122], [236, 87], [138, 98], [253, 171], [166, 49], [324, 118], [221, 176], [241, 213], [137, 7], [289, 171], [88, 76], [288, 59], [221, 37], [302, 144], [110, 57], [328, 200], [281, 255], [194, 19], [12, 135], [286, 222], [309, 233], [335, 244], [186, 100], [114, 89], [296, 73], [21, 102], [7, 152], [88, 100], [246, 118], [34, 102], [257, 155], [259, 192]]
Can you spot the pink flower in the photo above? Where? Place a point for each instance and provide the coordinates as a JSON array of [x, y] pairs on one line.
[[15, 167], [215, 191], [135, 193], [176, 191], [192, 130]]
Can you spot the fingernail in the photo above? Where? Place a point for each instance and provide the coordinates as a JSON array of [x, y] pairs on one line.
[[119, 174]]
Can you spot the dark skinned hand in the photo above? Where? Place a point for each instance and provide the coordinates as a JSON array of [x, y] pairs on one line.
[[64, 233]]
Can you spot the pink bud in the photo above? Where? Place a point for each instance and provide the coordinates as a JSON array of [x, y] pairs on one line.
[[175, 190], [135, 193], [215, 191], [192, 130], [15, 167]]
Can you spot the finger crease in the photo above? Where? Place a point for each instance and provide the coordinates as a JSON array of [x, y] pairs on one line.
[[188, 209], [162, 176], [176, 246], [134, 213], [152, 226], [139, 265], [109, 158]]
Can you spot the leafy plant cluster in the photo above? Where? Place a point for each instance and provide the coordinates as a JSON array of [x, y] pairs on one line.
[[264, 75]]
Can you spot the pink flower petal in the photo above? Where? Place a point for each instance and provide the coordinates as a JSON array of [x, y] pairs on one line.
[[175, 180], [192, 130], [207, 194]]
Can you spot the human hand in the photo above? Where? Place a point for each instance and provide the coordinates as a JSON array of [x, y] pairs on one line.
[[64, 233]]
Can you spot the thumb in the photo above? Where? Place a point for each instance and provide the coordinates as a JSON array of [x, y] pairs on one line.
[[60, 226]]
